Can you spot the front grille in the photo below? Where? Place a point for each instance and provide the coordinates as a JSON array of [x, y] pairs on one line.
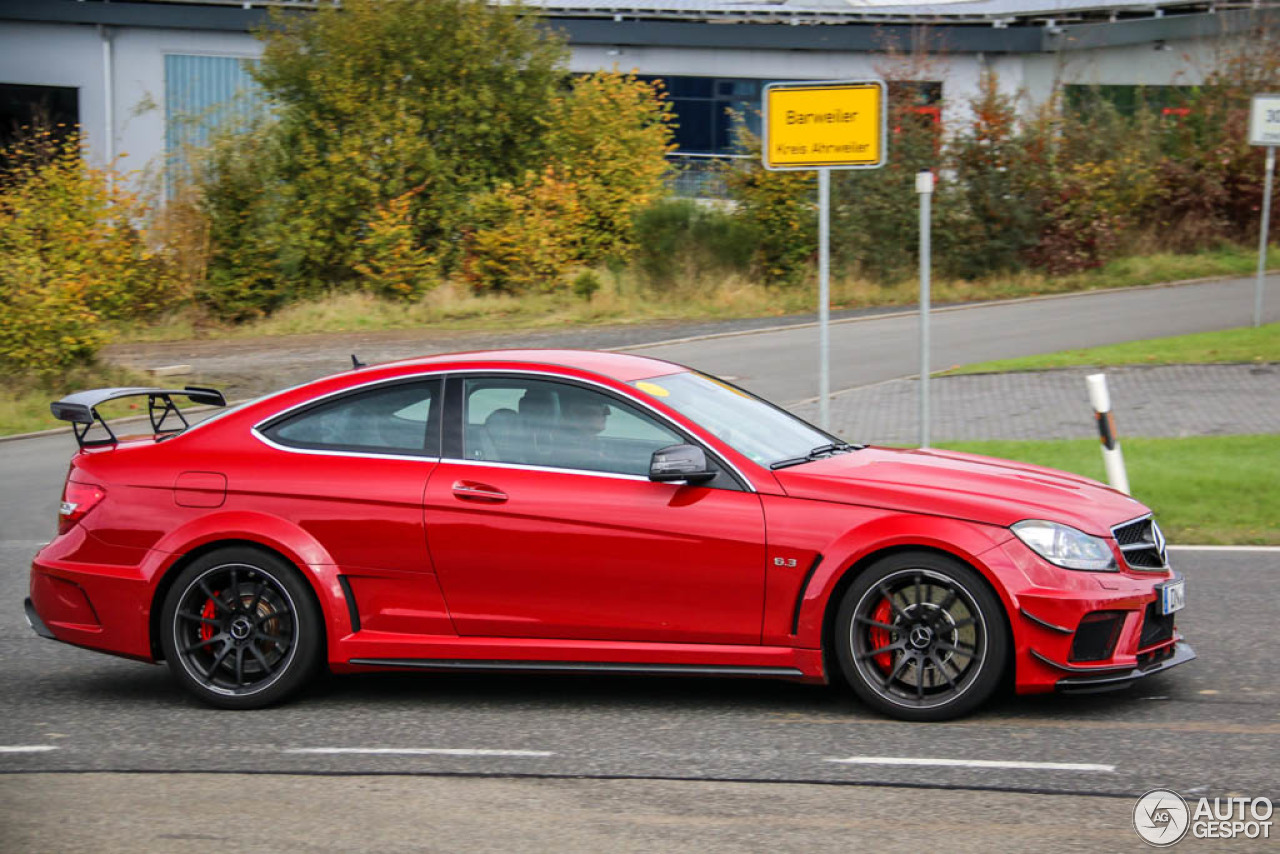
[[1142, 544], [1097, 635], [1156, 627]]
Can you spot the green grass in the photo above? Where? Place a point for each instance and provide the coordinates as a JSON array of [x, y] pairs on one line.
[[1250, 344], [1203, 490], [625, 299]]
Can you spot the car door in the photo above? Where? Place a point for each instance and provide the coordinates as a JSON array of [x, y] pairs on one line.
[[542, 522]]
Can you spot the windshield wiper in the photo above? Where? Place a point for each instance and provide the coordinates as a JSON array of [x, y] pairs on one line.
[[817, 453]]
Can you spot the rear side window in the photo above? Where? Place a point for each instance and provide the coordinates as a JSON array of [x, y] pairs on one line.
[[402, 418]]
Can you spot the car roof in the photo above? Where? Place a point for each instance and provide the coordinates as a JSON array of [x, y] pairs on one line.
[[623, 367]]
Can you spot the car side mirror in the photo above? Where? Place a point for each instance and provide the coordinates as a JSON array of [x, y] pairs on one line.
[[680, 462]]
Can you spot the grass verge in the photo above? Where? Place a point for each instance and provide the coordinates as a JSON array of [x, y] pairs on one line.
[[1250, 344], [1218, 490], [625, 298]]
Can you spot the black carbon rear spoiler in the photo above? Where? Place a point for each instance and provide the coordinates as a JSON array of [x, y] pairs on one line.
[[81, 409]]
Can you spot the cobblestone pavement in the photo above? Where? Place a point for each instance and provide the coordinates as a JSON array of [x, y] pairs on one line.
[[1175, 400]]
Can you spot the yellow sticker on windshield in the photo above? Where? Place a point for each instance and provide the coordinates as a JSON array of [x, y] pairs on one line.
[[653, 389]]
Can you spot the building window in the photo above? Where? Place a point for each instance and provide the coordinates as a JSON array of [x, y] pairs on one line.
[[203, 94], [701, 107], [57, 107], [1129, 100]]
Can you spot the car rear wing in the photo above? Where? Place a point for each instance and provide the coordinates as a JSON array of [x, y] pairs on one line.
[[81, 409]]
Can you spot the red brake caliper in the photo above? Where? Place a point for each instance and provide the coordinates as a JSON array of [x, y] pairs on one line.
[[880, 637], [209, 612]]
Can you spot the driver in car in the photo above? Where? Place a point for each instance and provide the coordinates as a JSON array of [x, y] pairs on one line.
[[582, 419]]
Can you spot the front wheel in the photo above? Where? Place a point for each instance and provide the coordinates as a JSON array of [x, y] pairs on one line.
[[240, 630], [921, 637]]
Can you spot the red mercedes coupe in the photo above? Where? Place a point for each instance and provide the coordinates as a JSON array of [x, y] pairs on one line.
[[563, 511]]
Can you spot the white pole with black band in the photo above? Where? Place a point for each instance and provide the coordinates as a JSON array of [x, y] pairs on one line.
[[1112, 458]]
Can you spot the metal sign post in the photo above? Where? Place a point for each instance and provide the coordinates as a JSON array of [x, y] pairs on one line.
[[1262, 236], [1264, 129], [824, 298], [823, 125], [924, 187]]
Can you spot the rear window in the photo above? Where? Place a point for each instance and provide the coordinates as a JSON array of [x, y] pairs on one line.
[[396, 419]]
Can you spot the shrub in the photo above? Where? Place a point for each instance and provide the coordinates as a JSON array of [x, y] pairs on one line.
[[680, 240], [392, 262], [430, 101], [995, 161], [249, 272], [522, 237], [875, 212], [586, 284], [71, 255], [778, 210], [604, 152], [609, 137]]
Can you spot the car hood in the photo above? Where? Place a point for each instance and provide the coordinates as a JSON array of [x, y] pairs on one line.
[[964, 486]]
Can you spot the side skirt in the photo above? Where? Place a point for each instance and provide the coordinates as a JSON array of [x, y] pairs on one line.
[[582, 667]]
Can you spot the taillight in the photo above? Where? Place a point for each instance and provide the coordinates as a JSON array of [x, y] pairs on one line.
[[77, 500]]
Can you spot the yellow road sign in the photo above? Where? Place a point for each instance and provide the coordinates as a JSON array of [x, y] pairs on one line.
[[824, 125]]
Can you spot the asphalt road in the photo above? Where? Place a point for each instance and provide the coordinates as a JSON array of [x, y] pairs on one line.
[[868, 346], [1212, 726], [782, 365], [570, 762], [494, 762]]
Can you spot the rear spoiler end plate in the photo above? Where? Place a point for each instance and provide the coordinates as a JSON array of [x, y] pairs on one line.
[[81, 409]]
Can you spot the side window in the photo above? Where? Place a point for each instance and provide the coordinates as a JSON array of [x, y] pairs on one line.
[[535, 422], [401, 418]]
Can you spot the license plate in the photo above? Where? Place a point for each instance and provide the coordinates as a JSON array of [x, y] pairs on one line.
[[1173, 596]]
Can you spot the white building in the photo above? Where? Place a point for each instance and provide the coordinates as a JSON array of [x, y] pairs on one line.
[[132, 74]]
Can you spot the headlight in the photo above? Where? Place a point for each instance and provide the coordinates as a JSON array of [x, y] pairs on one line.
[[1064, 546]]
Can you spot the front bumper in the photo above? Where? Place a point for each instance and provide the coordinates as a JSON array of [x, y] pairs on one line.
[[1094, 682], [1081, 631], [33, 620]]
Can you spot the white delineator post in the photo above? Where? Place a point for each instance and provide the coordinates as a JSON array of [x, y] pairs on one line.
[[1100, 398]]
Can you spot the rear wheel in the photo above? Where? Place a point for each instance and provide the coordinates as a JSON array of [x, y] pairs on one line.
[[921, 637], [240, 630]]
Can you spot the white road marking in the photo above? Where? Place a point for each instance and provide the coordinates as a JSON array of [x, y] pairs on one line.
[[418, 751], [1224, 548], [975, 763], [27, 748]]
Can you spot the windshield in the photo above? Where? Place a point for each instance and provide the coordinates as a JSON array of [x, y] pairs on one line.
[[752, 427]]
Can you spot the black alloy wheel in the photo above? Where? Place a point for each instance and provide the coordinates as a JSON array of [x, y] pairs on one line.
[[921, 637], [240, 629]]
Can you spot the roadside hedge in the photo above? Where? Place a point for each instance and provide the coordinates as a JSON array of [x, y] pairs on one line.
[[72, 255]]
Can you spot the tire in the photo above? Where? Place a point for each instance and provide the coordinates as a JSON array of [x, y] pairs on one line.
[[245, 650], [921, 637]]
